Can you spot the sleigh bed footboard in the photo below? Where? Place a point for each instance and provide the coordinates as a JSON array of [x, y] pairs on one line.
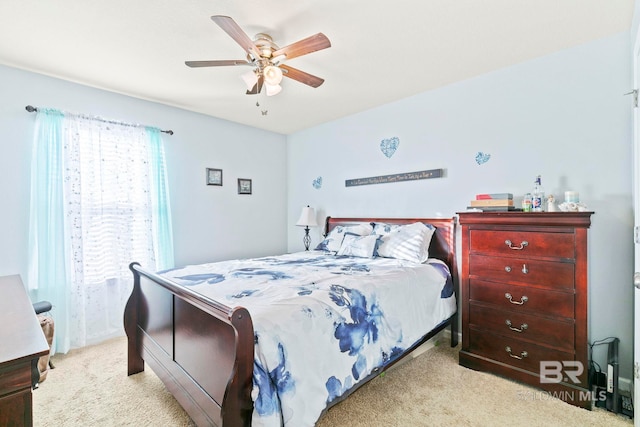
[[201, 350]]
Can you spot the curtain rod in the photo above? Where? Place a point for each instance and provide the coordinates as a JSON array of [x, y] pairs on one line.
[[32, 109]]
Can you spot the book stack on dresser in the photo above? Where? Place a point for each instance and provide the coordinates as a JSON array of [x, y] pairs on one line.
[[493, 202]]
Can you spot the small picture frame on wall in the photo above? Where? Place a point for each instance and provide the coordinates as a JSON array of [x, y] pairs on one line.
[[244, 186], [214, 176]]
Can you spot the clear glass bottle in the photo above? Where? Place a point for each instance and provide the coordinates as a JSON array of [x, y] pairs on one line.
[[537, 198]]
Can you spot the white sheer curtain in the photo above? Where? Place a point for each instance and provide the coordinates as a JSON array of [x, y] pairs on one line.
[[109, 180]]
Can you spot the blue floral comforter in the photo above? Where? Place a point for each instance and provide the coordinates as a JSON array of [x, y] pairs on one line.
[[322, 323]]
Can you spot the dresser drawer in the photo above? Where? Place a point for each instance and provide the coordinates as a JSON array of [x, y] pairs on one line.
[[523, 270], [538, 244], [558, 334], [522, 299], [514, 352], [15, 378]]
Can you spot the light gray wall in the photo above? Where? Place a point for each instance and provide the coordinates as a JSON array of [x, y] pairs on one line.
[[563, 116], [210, 223]]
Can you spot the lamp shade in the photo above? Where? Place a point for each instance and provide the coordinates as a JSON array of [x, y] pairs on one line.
[[307, 218], [272, 75], [250, 79], [273, 90]]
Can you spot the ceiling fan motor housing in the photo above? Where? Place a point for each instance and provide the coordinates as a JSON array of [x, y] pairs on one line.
[[265, 44]]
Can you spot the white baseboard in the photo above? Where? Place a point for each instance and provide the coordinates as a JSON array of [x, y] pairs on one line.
[[625, 384], [436, 340], [441, 338]]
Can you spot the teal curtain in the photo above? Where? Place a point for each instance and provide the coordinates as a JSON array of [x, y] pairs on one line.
[[162, 230], [48, 261]]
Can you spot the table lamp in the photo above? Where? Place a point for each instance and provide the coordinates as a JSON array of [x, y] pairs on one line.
[[307, 219]]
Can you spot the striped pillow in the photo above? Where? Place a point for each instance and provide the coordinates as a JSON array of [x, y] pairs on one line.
[[409, 242]]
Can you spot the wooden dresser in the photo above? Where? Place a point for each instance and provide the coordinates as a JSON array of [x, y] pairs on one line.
[[22, 342], [524, 299]]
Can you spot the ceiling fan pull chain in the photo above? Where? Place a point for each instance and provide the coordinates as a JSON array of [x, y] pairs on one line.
[[264, 94]]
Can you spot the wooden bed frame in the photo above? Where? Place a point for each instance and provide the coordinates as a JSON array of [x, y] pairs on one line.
[[203, 350]]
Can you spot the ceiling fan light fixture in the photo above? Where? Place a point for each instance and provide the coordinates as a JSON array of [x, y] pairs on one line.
[[273, 89], [250, 79], [272, 75]]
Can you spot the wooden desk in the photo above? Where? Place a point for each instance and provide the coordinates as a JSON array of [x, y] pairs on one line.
[[22, 342]]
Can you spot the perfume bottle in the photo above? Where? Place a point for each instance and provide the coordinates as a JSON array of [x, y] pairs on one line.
[[537, 198]]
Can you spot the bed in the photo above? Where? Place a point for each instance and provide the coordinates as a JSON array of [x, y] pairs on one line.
[[226, 364]]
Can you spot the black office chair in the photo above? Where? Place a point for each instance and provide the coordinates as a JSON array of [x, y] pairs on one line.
[[42, 306]]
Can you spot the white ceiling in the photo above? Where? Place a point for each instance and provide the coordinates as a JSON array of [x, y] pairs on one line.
[[382, 50]]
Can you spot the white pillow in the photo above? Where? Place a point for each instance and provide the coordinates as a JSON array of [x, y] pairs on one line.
[[360, 246], [382, 228], [409, 242], [333, 241]]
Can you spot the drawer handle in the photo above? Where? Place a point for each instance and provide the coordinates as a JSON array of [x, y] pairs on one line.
[[510, 298], [525, 270], [522, 327], [523, 354], [516, 248]]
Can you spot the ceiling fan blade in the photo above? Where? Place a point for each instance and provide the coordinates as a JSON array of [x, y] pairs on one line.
[[304, 46], [257, 88], [236, 33], [301, 76], [214, 63]]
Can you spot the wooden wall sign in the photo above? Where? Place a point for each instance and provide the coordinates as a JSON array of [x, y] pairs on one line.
[[398, 177]]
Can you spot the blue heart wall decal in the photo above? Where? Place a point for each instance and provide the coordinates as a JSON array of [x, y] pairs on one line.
[[389, 146], [317, 183], [482, 158]]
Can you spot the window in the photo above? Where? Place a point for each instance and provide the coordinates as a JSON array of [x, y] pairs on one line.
[[99, 201]]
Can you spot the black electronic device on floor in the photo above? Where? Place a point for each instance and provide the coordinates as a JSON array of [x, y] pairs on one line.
[[604, 383], [613, 393]]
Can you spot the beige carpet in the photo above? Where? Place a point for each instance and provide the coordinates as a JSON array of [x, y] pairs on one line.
[[90, 387]]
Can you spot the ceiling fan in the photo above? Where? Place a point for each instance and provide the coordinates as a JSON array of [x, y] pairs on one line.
[[266, 58]]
